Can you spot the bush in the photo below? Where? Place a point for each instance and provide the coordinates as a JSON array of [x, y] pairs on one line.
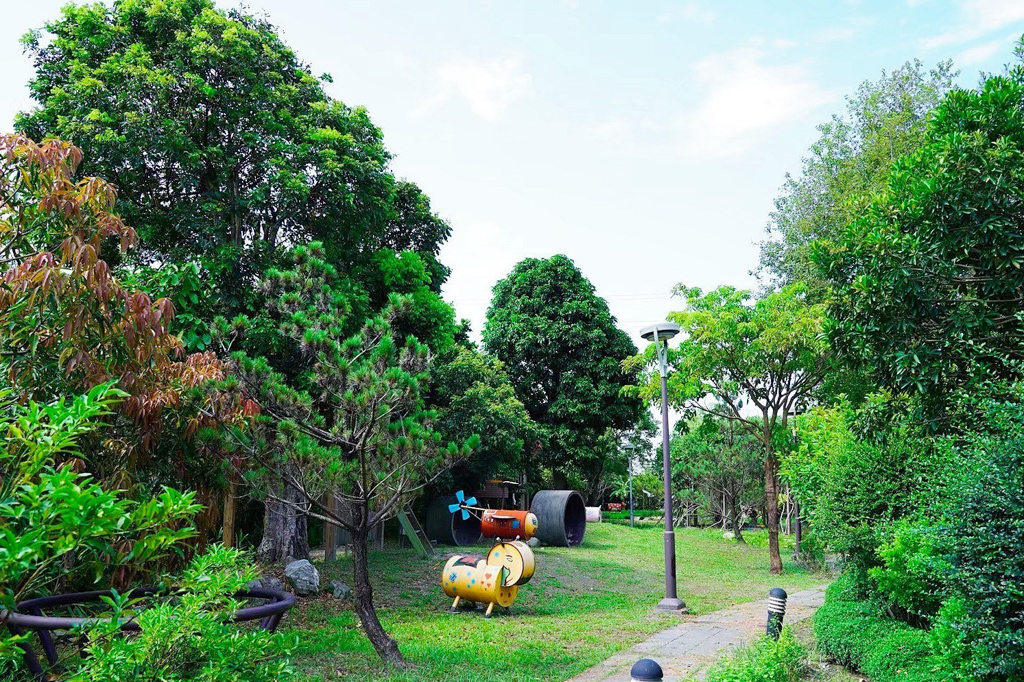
[[766, 660], [57, 524], [855, 633], [849, 487], [986, 533], [910, 580], [190, 637]]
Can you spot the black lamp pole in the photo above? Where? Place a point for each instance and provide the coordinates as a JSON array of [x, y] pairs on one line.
[[660, 334]]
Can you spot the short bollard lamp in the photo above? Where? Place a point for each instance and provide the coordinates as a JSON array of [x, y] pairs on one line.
[[646, 670], [776, 611]]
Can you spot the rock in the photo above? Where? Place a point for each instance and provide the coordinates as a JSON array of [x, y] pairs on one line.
[[264, 584], [340, 590], [533, 542], [303, 577]]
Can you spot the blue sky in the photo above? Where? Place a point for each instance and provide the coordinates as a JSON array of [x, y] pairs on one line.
[[645, 140]]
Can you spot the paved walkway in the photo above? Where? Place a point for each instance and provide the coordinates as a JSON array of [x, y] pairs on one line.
[[689, 648]]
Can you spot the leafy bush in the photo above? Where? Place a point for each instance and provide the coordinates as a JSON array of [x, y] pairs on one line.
[[848, 487], [910, 579], [54, 522], [854, 632], [984, 626], [189, 637], [766, 660]]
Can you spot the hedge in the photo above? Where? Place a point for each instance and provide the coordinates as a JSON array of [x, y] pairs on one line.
[[857, 634]]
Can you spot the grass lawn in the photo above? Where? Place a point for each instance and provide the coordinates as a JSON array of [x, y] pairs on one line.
[[583, 605]]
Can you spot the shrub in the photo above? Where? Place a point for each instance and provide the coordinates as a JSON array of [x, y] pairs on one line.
[[854, 632], [986, 533], [56, 523], [766, 660], [849, 487], [910, 580]]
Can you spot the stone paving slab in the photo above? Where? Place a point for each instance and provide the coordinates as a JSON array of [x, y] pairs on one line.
[[687, 650]]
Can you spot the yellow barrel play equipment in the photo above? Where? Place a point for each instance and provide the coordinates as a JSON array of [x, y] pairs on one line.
[[473, 580], [517, 558], [494, 580]]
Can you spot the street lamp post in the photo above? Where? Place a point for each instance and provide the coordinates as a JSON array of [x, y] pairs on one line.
[[659, 334]]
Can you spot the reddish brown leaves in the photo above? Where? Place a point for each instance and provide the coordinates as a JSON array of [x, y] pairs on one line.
[[67, 320]]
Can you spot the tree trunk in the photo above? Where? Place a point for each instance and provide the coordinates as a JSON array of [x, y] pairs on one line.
[[771, 494], [330, 530], [284, 527], [230, 502], [734, 514], [386, 647]]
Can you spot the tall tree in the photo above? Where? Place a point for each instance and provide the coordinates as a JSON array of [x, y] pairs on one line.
[[723, 460], [473, 396], [352, 426], [757, 362], [849, 162], [224, 145], [928, 283], [563, 353]]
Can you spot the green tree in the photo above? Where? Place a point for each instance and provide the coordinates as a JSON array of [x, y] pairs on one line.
[[771, 353], [562, 350], [928, 283], [223, 144], [349, 438], [723, 460], [473, 396], [847, 165]]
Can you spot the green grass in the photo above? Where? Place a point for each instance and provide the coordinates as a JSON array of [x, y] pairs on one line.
[[583, 605]]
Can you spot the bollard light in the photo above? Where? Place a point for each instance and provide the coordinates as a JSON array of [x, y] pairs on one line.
[[646, 670], [776, 611]]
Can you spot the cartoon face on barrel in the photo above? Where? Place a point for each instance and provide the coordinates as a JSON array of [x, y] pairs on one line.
[[517, 560], [531, 525]]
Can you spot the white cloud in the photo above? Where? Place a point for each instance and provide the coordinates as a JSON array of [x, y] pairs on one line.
[[978, 18], [625, 129], [979, 53], [691, 11], [744, 97], [488, 86]]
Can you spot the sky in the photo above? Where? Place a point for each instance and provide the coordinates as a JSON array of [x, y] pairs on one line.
[[644, 139]]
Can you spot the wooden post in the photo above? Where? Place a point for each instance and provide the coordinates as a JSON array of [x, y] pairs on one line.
[[230, 496]]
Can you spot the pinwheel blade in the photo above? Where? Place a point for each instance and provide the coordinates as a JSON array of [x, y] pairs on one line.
[[452, 508], [470, 502], [465, 514], [460, 496]]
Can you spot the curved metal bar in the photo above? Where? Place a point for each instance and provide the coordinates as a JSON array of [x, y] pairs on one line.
[[280, 603], [28, 615]]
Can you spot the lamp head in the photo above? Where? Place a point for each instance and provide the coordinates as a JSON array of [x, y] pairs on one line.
[[663, 330]]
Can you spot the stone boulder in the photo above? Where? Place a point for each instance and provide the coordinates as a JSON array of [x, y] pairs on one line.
[[340, 590], [303, 577]]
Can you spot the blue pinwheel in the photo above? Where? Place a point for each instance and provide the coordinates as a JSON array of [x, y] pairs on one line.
[[462, 504]]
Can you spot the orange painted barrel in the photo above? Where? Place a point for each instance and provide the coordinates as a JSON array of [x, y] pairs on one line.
[[508, 524]]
